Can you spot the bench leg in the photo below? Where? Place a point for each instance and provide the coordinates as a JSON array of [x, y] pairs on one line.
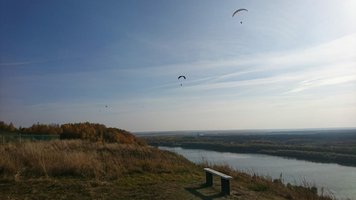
[[209, 179], [225, 186]]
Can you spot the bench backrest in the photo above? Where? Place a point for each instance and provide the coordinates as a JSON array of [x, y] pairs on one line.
[[224, 176]]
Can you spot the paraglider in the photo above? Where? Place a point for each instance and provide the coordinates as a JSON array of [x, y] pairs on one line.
[[239, 10], [181, 76]]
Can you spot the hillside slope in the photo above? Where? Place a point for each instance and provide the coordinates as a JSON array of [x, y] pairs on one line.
[[86, 170]]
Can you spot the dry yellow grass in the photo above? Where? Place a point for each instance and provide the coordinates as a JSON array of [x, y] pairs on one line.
[[83, 159]]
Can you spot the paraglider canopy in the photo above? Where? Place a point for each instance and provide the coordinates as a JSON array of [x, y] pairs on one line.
[[239, 10], [181, 76]]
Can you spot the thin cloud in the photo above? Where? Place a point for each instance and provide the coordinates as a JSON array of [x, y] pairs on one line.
[[244, 83], [309, 84], [17, 63], [325, 64]]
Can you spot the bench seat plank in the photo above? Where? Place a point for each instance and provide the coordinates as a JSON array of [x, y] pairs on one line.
[[224, 176]]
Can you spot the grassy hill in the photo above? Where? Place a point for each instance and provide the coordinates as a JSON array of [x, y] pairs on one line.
[[93, 132], [77, 169]]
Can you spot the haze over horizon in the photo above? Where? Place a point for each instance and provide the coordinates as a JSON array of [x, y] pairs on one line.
[[289, 65]]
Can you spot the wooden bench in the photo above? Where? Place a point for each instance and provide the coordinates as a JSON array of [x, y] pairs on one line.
[[225, 180]]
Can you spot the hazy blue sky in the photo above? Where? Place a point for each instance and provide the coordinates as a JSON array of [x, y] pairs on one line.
[[290, 64]]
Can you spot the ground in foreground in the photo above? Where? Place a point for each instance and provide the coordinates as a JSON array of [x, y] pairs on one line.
[[82, 170]]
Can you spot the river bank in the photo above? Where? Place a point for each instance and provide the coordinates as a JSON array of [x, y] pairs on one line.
[[325, 146], [333, 179]]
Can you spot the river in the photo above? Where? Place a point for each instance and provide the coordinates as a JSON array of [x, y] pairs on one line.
[[334, 178]]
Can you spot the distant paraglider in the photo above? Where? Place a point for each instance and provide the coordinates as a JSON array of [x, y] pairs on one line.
[[183, 77], [239, 10]]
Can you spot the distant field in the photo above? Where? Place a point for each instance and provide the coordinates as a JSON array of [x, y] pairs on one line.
[[329, 146]]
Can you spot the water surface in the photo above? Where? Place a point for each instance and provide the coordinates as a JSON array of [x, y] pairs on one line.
[[340, 180]]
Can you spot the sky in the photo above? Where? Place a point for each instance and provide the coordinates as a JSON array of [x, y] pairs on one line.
[[288, 65]]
